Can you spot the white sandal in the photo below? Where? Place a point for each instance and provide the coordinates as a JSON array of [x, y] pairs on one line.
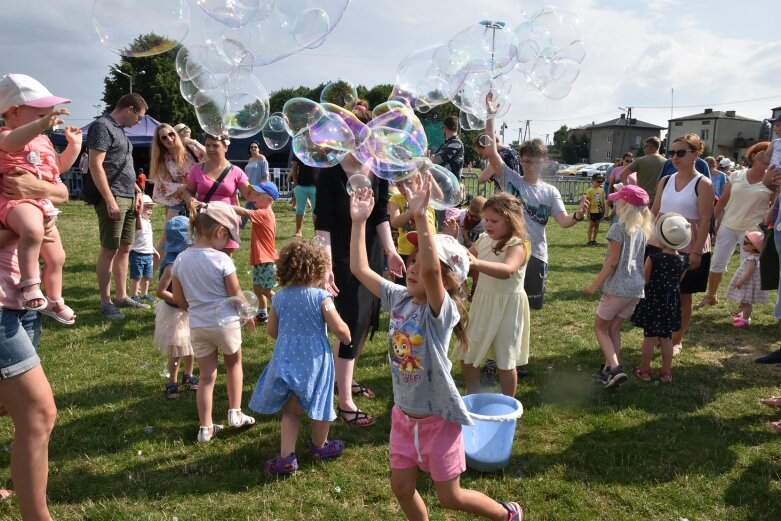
[[236, 418], [31, 295], [65, 315]]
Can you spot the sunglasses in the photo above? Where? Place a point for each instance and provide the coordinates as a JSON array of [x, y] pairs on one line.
[[679, 153], [168, 137]]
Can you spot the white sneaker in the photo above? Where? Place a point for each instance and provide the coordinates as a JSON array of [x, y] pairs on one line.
[[236, 418], [204, 436]]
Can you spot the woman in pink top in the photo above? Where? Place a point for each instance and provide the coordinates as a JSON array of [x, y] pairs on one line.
[[203, 176], [25, 393]]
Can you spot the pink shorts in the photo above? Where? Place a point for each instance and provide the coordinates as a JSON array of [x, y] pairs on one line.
[[6, 205], [612, 306], [432, 444]]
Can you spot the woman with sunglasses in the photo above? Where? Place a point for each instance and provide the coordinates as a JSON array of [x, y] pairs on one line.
[[689, 193], [170, 164], [742, 206]]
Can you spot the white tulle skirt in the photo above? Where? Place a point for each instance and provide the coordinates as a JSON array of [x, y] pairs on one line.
[[172, 330]]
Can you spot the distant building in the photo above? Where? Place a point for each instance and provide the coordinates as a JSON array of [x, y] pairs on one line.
[[724, 133], [611, 139]]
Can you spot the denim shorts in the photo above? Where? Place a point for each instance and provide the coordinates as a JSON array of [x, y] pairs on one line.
[[19, 334], [141, 265]]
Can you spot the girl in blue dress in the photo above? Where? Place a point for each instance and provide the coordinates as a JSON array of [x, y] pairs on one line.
[[299, 379]]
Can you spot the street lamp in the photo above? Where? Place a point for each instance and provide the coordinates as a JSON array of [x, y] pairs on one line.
[[129, 76], [98, 108]]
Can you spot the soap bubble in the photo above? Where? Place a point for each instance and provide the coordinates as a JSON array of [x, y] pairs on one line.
[[135, 28], [359, 129], [274, 133], [332, 132], [163, 372], [300, 113], [238, 109], [234, 309], [189, 90], [356, 181], [319, 241], [276, 122], [341, 93], [311, 27], [445, 187], [485, 140], [233, 13], [312, 154]]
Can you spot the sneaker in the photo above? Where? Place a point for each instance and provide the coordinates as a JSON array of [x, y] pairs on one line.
[[111, 312], [149, 298], [488, 373], [204, 436], [135, 298], [601, 375], [128, 302], [522, 372], [261, 318], [331, 449], [236, 418], [615, 377], [772, 358], [279, 466]]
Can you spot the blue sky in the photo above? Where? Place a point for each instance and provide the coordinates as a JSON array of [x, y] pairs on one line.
[[719, 54]]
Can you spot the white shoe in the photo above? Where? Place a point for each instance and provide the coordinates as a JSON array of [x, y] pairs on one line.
[[236, 418], [204, 436]]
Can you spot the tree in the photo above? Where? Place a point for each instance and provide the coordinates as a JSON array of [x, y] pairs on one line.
[[559, 138], [158, 84], [575, 149]]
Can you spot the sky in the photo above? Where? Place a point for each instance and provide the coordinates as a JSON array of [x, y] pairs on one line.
[[662, 58]]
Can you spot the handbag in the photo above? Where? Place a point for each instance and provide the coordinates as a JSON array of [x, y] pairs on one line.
[[206, 198], [89, 192]]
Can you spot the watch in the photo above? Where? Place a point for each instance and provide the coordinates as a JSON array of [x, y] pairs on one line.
[[575, 216]]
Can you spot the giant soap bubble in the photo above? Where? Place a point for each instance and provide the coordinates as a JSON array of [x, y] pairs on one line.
[[341, 93], [135, 28], [237, 109], [235, 13]]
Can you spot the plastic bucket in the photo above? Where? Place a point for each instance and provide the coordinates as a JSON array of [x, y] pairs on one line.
[[489, 442]]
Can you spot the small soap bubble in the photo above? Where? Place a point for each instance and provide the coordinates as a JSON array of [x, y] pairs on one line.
[[357, 181], [340, 92], [485, 140], [164, 371], [149, 429], [319, 241]]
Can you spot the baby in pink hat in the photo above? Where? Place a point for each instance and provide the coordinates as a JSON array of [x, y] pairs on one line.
[[28, 110]]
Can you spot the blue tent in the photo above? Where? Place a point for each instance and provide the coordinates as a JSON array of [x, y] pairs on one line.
[[140, 134]]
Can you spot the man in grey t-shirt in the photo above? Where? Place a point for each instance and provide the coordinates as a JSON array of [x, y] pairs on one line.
[[111, 167]]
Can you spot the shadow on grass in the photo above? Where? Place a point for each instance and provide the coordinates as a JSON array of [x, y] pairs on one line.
[[753, 491]]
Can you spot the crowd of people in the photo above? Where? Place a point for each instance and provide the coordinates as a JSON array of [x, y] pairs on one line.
[[379, 247]]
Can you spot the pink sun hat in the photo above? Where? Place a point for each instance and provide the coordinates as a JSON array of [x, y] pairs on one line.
[[21, 89]]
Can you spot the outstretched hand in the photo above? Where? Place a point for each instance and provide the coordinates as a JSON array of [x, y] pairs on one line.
[[73, 135], [418, 202], [52, 119], [361, 204], [490, 105]]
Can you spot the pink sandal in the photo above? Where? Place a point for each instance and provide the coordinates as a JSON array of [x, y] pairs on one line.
[[57, 310], [32, 295], [741, 322]]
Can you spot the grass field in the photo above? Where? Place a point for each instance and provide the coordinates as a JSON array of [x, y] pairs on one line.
[[697, 449]]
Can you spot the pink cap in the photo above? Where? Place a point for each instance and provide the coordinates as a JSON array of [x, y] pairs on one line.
[[632, 194], [20, 89], [757, 239]]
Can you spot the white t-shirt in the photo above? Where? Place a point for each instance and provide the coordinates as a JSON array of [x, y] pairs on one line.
[[143, 241], [540, 201], [202, 272]]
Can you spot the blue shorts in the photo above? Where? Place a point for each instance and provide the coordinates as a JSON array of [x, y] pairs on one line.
[[19, 334], [141, 265]]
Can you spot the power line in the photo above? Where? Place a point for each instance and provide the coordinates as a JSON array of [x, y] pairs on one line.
[[777, 96]]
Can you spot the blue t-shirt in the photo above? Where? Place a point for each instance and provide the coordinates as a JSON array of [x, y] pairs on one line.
[[719, 180], [700, 165]]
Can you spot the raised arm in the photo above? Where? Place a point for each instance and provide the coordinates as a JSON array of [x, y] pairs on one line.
[[361, 204]]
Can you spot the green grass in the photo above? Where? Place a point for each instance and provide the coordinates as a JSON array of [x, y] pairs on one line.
[[696, 449]]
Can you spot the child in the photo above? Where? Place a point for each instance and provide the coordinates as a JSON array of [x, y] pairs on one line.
[[745, 286], [659, 313], [774, 150], [621, 279], [143, 254], [401, 218], [596, 204], [428, 412], [263, 250], [299, 379], [172, 324], [203, 277], [28, 109], [499, 316]]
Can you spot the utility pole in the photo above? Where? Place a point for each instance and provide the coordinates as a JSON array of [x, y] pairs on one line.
[[128, 76]]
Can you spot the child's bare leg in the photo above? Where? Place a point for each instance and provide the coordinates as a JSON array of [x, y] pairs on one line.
[[188, 363], [471, 378], [615, 336], [508, 380], [207, 366], [173, 369], [649, 344], [320, 431], [26, 220], [134, 284], [290, 425], [143, 286], [235, 379], [53, 263], [403, 483], [746, 308], [667, 354], [453, 497], [602, 332]]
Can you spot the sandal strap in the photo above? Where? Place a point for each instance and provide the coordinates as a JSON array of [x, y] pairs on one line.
[[28, 282]]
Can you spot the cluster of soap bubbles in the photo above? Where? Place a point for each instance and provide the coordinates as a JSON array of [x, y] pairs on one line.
[[392, 145], [216, 69], [545, 47]]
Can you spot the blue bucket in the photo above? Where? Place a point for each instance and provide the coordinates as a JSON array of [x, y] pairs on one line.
[[489, 442]]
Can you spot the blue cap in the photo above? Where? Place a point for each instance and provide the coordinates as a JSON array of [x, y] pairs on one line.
[[267, 187], [177, 230]]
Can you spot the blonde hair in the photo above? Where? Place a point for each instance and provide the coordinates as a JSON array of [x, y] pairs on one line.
[[202, 225], [157, 160], [509, 208], [635, 217]]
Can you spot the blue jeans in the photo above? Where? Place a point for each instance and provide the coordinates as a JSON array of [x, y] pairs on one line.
[[19, 334]]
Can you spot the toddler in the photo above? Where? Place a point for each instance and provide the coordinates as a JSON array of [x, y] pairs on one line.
[[143, 254], [27, 108], [745, 286], [299, 379]]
